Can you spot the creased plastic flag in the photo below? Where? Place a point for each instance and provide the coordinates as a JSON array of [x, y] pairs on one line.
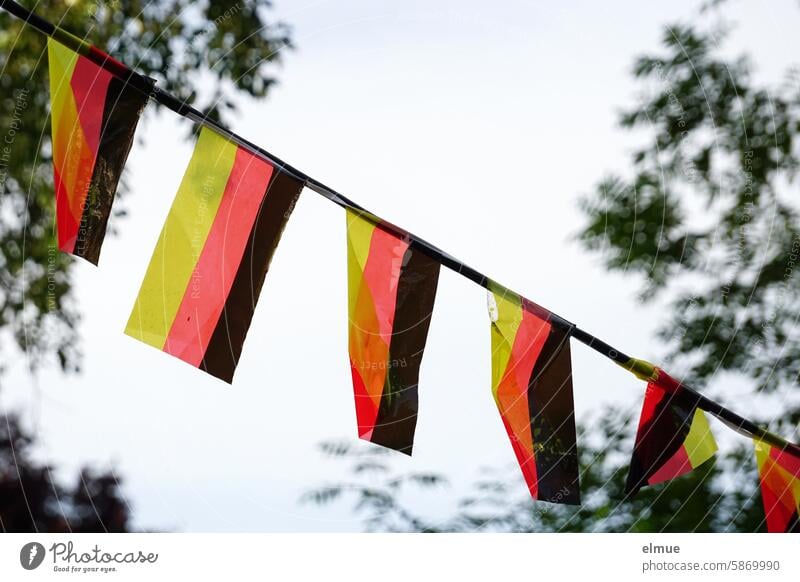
[[532, 387], [779, 473], [94, 116], [201, 287], [391, 290], [673, 435]]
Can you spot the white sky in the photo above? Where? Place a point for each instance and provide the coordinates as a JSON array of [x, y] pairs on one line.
[[474, 125]]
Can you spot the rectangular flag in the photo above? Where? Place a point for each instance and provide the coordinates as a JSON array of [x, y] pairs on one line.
[[94, 115], [201, 287], [779, 473], [532, 387], [673, 435], [391, 289]]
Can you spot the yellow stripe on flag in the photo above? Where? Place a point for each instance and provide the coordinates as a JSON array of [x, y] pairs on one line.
[[504, 331], [359, 233], [182, 239], [699, 444], [67, 135], [359, 237], [61, 62]]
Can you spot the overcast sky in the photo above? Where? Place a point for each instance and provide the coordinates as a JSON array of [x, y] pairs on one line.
[[475, 125]]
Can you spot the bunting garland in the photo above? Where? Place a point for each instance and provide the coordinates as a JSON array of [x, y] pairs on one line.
[[391, 289], [202, 284], [532, 387], [673, 435], [779, 474], [199, 293], [94, 116]]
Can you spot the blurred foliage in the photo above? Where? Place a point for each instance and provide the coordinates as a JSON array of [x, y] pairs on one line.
[[705, 500], [375, 488], [708, 216], [32, 500], [227, 49]]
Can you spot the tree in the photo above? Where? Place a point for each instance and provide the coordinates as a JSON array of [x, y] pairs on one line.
[[707, 217], [31, 499], [709, 208], [705, 500], [227, 50]]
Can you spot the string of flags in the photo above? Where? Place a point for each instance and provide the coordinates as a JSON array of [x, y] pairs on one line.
[[210, 262]]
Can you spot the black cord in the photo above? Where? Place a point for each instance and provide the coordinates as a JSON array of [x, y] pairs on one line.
[[145, 84]]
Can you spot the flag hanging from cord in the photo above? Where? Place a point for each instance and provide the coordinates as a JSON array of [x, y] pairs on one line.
[[201, 287], [391, 290], [532, 387], [673, 435], [203, 281], [779, 473], [94, 114]]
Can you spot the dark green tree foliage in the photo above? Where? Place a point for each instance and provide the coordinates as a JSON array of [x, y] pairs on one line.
[[31, 499], [720, 496], [709, 215], [226, 49]]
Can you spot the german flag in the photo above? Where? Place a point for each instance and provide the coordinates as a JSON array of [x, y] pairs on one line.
[[532, 387], [391, 290], [673, 435], [201, 287], [94, 114], [779, 473]]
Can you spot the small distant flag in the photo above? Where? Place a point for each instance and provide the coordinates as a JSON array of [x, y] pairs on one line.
[[673, 435], [779, 473], [532, 387], [94, 114], [391, 290], [201, 287]]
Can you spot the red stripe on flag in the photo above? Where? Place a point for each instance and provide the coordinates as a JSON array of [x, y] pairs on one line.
[[786, 460], [525, 458], [379, 279], [366, 409], [381, 275], [110, 63], [67, 225], [679, 464], [89, 87], [219, 260]]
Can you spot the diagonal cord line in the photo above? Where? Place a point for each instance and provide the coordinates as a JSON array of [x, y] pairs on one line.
[[144, 84]]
